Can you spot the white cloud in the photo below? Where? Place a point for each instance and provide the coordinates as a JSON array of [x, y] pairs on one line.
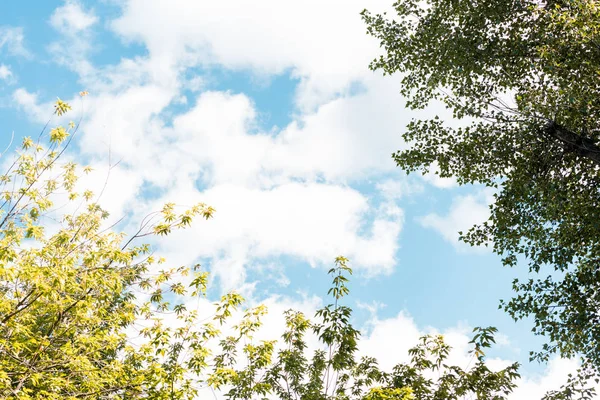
[[12, 39], [263, 210], [322, 43], [5, 72], [336, 142], [311, 222], [29, 103], [269, 190], [347, 138], [75, 40], [436, 180], [71, 18], [553, 376], [464, 212], [266, 207], [389, 339], [398, 187]]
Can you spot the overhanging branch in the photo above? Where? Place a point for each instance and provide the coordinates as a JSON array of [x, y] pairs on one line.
[[573, 142]]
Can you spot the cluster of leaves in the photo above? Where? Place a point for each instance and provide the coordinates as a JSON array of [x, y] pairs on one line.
[[71, 290], [524, 77], [335, 370]]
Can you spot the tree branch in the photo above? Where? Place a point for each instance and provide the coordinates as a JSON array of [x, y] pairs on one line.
[[573, 142]]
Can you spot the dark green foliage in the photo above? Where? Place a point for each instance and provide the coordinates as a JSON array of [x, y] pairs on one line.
[[524, 75]]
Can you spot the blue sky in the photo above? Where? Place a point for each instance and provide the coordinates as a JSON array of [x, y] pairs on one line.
[[270, 114]]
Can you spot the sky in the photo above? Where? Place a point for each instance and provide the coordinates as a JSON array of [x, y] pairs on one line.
[[268, 112]]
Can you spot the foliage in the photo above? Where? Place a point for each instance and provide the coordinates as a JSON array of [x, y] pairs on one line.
[[72, 291], [524, 79], [335, 370]]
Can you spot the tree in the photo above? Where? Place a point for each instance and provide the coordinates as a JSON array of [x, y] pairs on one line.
[[72, 291], [335, 372], [524, 79]]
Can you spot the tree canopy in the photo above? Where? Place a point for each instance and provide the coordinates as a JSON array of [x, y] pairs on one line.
[[523, 78], [71, 289], [335, 370]]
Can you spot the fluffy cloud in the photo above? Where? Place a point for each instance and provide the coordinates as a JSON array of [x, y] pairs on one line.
[[266, 207], [464, 212], [310, 221], [71, 17], [5, 72], [554, 375], [434, 178], [336, 142], [275, 194], [74, 43], [389, 339], [398, 187], [12, 38], [29, 103], [347, 139], [322, 43]]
